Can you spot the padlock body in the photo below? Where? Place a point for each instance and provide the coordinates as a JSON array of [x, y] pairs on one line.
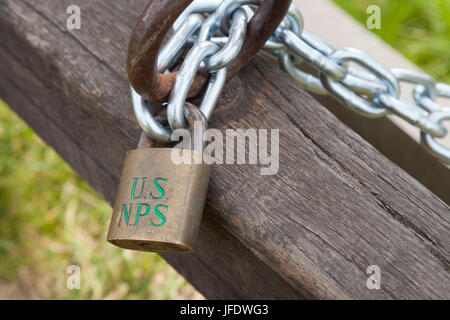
[[159, 203]]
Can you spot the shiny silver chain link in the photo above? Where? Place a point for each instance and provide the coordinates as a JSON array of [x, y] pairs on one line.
[[371, 89]]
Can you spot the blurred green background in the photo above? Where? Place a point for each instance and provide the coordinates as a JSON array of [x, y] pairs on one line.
[[50, 219], [419, 29]]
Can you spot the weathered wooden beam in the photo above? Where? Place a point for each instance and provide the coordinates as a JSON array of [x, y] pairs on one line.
[[336, 206]]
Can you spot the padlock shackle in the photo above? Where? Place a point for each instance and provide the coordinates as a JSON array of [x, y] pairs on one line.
[[145, 141], [193, 114]]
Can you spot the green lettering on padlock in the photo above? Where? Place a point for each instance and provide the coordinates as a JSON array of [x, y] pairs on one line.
[[160, 215], [138, 214], [126, 212], [134, 188], [159, 188]]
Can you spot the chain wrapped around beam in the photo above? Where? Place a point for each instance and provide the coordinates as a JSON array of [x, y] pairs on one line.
[[216, 38]]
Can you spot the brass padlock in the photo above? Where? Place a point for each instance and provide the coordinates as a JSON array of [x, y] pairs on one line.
[[159, 204]]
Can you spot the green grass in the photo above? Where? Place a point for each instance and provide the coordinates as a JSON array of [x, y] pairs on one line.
[[50, 219], [419, 29]]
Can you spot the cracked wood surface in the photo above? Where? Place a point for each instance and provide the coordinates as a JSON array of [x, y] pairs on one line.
[[335, 207]]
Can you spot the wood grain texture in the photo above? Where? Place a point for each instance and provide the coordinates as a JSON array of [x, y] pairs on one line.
[[335, 207]]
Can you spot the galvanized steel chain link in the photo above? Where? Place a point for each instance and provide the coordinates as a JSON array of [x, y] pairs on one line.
[[371, 90]]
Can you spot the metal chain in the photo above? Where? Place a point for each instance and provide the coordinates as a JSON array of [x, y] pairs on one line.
[[371, 90], [192, 31]]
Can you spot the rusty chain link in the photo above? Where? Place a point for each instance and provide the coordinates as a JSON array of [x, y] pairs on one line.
[[160, 16]]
